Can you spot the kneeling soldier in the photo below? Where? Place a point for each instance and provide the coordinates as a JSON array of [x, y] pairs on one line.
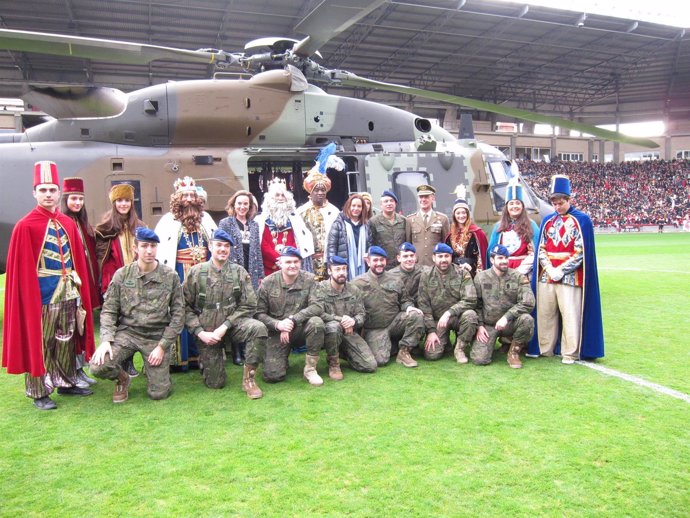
[[448, 298], [504, 303], [343, 314], [285, 306], [143, 311], [220, 302]]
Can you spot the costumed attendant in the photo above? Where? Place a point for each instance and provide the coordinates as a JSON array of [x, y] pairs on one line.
[[350, 237], [185, 236], [516, 231], [467, 240], [47, 320], [280, 226], [72, 205], [115, 241], [566, 283]]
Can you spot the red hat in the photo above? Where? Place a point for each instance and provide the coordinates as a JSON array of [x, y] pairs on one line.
[[73, 185], [45, 172]]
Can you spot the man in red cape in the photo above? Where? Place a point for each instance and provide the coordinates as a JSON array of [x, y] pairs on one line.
[[41, 240]]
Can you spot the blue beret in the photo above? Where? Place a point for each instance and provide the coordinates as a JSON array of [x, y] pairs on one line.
[[336, 259], [442, 248], [290, 251], [499, 250], [407, 247], [222, 235], [390, 194], [147, 235], [377, 250]]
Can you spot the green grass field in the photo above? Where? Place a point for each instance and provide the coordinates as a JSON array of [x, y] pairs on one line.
[[440, 440]]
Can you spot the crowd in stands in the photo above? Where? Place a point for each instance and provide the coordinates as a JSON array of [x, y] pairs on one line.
[[652, 192]]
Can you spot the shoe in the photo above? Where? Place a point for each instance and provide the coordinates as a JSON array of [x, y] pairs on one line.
[[334, 371], [128, 366], [122, 387], [238, 353], [249, 382], [81, 383], [514, 355], [45, 403], [459, 352], [567, 360], [527, 355], [404, 358], [74, 391], [310, 373], [82, 376]]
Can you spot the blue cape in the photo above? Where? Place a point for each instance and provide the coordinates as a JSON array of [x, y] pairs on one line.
[[592, 331]]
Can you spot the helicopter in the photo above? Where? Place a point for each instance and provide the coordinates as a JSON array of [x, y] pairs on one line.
[[238, 132]]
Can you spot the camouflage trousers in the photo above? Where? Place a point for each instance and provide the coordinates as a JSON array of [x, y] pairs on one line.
[[465, 328], [212, 357], [352, 347], [520, 330], [59, 326], [407, 328], [277, 354], [126, 343]]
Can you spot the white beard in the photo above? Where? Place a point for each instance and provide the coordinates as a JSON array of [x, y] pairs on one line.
[[280, 212]]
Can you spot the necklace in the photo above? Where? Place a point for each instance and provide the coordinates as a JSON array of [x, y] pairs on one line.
[[198, 251], [279, 246]]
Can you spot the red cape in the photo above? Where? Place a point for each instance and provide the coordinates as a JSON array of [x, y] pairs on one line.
[[482, 242], [89, 243], [22, 334]]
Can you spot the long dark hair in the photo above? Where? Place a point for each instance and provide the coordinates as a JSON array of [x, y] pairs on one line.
[[522, 225], [80, 217], [113, 223]]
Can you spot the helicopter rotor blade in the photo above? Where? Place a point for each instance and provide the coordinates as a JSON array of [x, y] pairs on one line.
[[349, 79], [106, 50], [328, 19]]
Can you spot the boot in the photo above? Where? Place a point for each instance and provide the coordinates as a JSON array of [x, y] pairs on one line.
[[129, 368], [405, 358], [505, 345], [459, 352], [238, 353], [121, 387], [249, 382], [514, 355], [310, 373], [334, 371]]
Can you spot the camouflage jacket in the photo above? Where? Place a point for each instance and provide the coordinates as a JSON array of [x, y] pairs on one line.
[[384, 298], [388, 235], [410, 279], [453, 292], [335, 304], [222, 303], [149, 304], [277, 300], [509, 295]]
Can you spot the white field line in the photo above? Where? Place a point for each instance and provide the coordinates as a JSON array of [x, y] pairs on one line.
[[637, 381], [619, 269]]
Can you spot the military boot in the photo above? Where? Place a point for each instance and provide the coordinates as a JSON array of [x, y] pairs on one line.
[[514, 355], [334, 371], [459, 352], [249, 382], [405, 358], [121, 387], [310, 373]]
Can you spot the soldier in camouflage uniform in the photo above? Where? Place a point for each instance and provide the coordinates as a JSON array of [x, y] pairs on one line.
[[504, 303], [143, 311], [448, 298], [343, 314], [285, 305], [388, 228], [408, 271], [390, 312], [220, 302]]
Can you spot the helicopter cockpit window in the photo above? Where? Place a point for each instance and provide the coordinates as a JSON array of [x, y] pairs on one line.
[[405, 188], [499, 172]]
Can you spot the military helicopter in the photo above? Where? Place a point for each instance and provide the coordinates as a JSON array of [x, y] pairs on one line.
[[233, 133]]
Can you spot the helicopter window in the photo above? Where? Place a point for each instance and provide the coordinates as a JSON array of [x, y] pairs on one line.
[[499, 172], [405, 188]]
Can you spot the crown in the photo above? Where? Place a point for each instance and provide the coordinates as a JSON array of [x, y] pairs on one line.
[[277, 182], [186, 184]]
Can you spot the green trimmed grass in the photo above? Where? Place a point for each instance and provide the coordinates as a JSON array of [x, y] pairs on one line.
[[440, 440]]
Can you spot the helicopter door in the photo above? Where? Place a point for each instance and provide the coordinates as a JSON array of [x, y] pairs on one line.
[[405, 188]]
